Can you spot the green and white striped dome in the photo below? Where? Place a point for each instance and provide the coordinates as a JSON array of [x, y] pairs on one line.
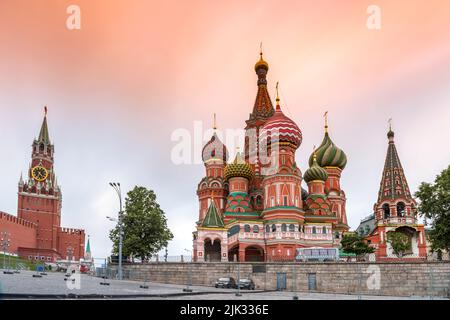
[[328, 155]]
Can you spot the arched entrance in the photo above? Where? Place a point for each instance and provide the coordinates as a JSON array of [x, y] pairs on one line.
[[233, 254], [254, 253], [212, 250], [411, 240]]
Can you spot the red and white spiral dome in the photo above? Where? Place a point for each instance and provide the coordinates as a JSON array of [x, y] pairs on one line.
[[280, 128]]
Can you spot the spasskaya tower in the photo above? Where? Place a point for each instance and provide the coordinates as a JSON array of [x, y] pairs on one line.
[[40, 201]]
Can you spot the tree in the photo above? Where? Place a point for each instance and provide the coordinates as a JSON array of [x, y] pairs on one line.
[[400, 242], [435, 205], [353, 243], [145, 230]]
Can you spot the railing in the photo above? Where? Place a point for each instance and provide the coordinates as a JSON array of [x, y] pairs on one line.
[[318, 236]]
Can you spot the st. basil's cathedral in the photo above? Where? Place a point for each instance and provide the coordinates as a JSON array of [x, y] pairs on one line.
[[252, 211], [249, 212]]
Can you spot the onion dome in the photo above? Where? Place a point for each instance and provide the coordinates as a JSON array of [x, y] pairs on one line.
[[261, 64], [280, 128], [238, 168], [328, 155], [214, 149], [315, 172], [390, 133]]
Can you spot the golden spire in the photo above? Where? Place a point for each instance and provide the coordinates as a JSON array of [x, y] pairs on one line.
[[390, 124], [278, 97], [214, 122], [326, 120]]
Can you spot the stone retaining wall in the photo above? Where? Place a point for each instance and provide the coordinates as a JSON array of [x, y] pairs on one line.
[[393, 278]]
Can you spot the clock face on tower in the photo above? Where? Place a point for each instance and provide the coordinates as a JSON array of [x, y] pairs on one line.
[[39, 173]]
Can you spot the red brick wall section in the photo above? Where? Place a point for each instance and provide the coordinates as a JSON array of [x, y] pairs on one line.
[[23, 233], [74, 238]]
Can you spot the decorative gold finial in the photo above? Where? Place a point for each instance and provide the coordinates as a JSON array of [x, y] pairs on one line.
[[390, 124], [261, 63], [326, 120], [45, 110], [214, 122], [278, 97]]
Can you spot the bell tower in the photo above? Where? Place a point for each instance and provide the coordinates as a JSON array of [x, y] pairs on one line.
[[39, 196]]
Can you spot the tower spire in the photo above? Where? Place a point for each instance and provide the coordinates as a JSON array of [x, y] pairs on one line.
[[43, 133], [393, 181], [214, 122], [263, 107], [326, 121]]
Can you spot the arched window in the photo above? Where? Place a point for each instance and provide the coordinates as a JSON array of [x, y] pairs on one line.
[[324, 230], [274, 228], [258, 200], [283, 227], [400, 209], [291, 228], [255, 229], [386, 211], [336, 235], [247, 228], [267, 228], [314, 231]]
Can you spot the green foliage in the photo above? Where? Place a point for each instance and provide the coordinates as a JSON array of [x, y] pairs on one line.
[[400, 242], [145, 230], [353, 243], [435, 206]]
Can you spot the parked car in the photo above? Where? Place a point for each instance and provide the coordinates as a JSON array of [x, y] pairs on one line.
[[227, 282], [246, 284]]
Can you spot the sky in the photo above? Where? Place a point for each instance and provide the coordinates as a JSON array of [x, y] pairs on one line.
[[137, 71]]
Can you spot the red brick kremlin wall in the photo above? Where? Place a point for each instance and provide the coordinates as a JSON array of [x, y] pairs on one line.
[[74, 238], [22, 232]]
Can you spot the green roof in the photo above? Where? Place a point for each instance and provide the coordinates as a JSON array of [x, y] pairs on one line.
[[212, 218], [88, 247]]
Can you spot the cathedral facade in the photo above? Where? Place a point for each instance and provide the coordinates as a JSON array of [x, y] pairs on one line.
[[254, 208], [36, 232]]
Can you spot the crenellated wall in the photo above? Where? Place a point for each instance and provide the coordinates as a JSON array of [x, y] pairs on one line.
[[71, 238], [22, 232]]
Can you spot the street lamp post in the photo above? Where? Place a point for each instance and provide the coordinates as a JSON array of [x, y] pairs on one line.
[[5, 243], [116, 186], [189, 284]]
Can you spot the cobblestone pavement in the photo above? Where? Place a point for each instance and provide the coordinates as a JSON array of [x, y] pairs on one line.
[[53, 284]]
